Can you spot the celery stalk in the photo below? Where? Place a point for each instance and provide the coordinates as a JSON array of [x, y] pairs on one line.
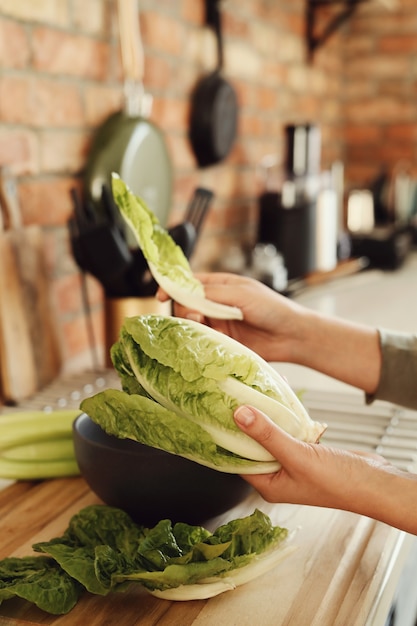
[[37, 470], [32, 416], [51, 450], [17, 429]]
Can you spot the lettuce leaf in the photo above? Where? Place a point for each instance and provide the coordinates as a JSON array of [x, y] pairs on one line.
[[74, 551], [167, 262], [38, 580], [103, 550], [131, 416]]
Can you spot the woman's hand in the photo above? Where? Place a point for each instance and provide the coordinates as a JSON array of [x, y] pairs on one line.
[[318, 475], [279, 329], [269, 319]]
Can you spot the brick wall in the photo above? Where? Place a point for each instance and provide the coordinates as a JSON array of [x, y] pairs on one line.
[[380, 112], [61, 77]]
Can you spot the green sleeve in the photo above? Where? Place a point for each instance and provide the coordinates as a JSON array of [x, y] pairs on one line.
[[398, 380]]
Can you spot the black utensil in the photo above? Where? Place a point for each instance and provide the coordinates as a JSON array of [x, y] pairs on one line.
[[110, 209], [99, 248], [184, 235], [197, 211]]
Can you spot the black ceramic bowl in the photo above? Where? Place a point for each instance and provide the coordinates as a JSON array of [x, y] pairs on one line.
[[150, 484]]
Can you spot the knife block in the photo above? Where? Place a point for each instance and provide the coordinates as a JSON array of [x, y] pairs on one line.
[[117, 309], [291, 230]]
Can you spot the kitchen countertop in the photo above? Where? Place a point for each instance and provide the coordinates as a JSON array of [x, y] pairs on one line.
[[345, 568]]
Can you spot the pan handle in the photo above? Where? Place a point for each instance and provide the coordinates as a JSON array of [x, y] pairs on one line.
[[130, 40], [213, 19], [136, 101]]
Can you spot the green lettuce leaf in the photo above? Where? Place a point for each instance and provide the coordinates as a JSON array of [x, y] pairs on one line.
[[130, 416], [174, 563], [103, 550], [39, 580], [93, 526], [167, 262]]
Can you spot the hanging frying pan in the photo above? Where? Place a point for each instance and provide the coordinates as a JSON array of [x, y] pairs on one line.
[[214, 110], [128, 143]]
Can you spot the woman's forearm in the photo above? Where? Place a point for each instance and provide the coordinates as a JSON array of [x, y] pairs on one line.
[[387, 494], [343, 350]]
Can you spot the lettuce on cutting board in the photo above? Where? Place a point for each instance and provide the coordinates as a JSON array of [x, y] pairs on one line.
[[174, 561], [104, 551]]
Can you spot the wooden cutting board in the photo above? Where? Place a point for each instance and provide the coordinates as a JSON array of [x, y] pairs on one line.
[[342, 565], [29, 350]]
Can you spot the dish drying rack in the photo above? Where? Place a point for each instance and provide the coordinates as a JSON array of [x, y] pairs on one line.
[[67, 392], [380, 427]]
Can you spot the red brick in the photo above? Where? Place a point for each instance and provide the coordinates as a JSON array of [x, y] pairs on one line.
[[384, 22], [377, 67], [92, 17], [19, 149], [267, 99], [63, 151], [39, 11], [362, 134], [181, 155], [14, 97], [401, 131], [158, 73], [60, 53], [358, 88], [400, 44], [358, 46], [100, 101], [192, 11], [235, 26], [250, 124], [46, 201], [162, 32], [40, 102], [171, 114], [14, 45], [380, 110]]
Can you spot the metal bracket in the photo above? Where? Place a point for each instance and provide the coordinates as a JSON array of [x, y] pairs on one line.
[[315, 41]]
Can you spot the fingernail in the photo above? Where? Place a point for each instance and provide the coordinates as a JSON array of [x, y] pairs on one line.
[[244, 416]]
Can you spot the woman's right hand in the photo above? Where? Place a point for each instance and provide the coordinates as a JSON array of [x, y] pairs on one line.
[[318, 475]]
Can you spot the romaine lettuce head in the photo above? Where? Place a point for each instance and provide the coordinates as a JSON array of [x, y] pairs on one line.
[[182, 382]]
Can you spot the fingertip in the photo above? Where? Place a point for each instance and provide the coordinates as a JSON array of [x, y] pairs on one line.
[[244, 416]]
